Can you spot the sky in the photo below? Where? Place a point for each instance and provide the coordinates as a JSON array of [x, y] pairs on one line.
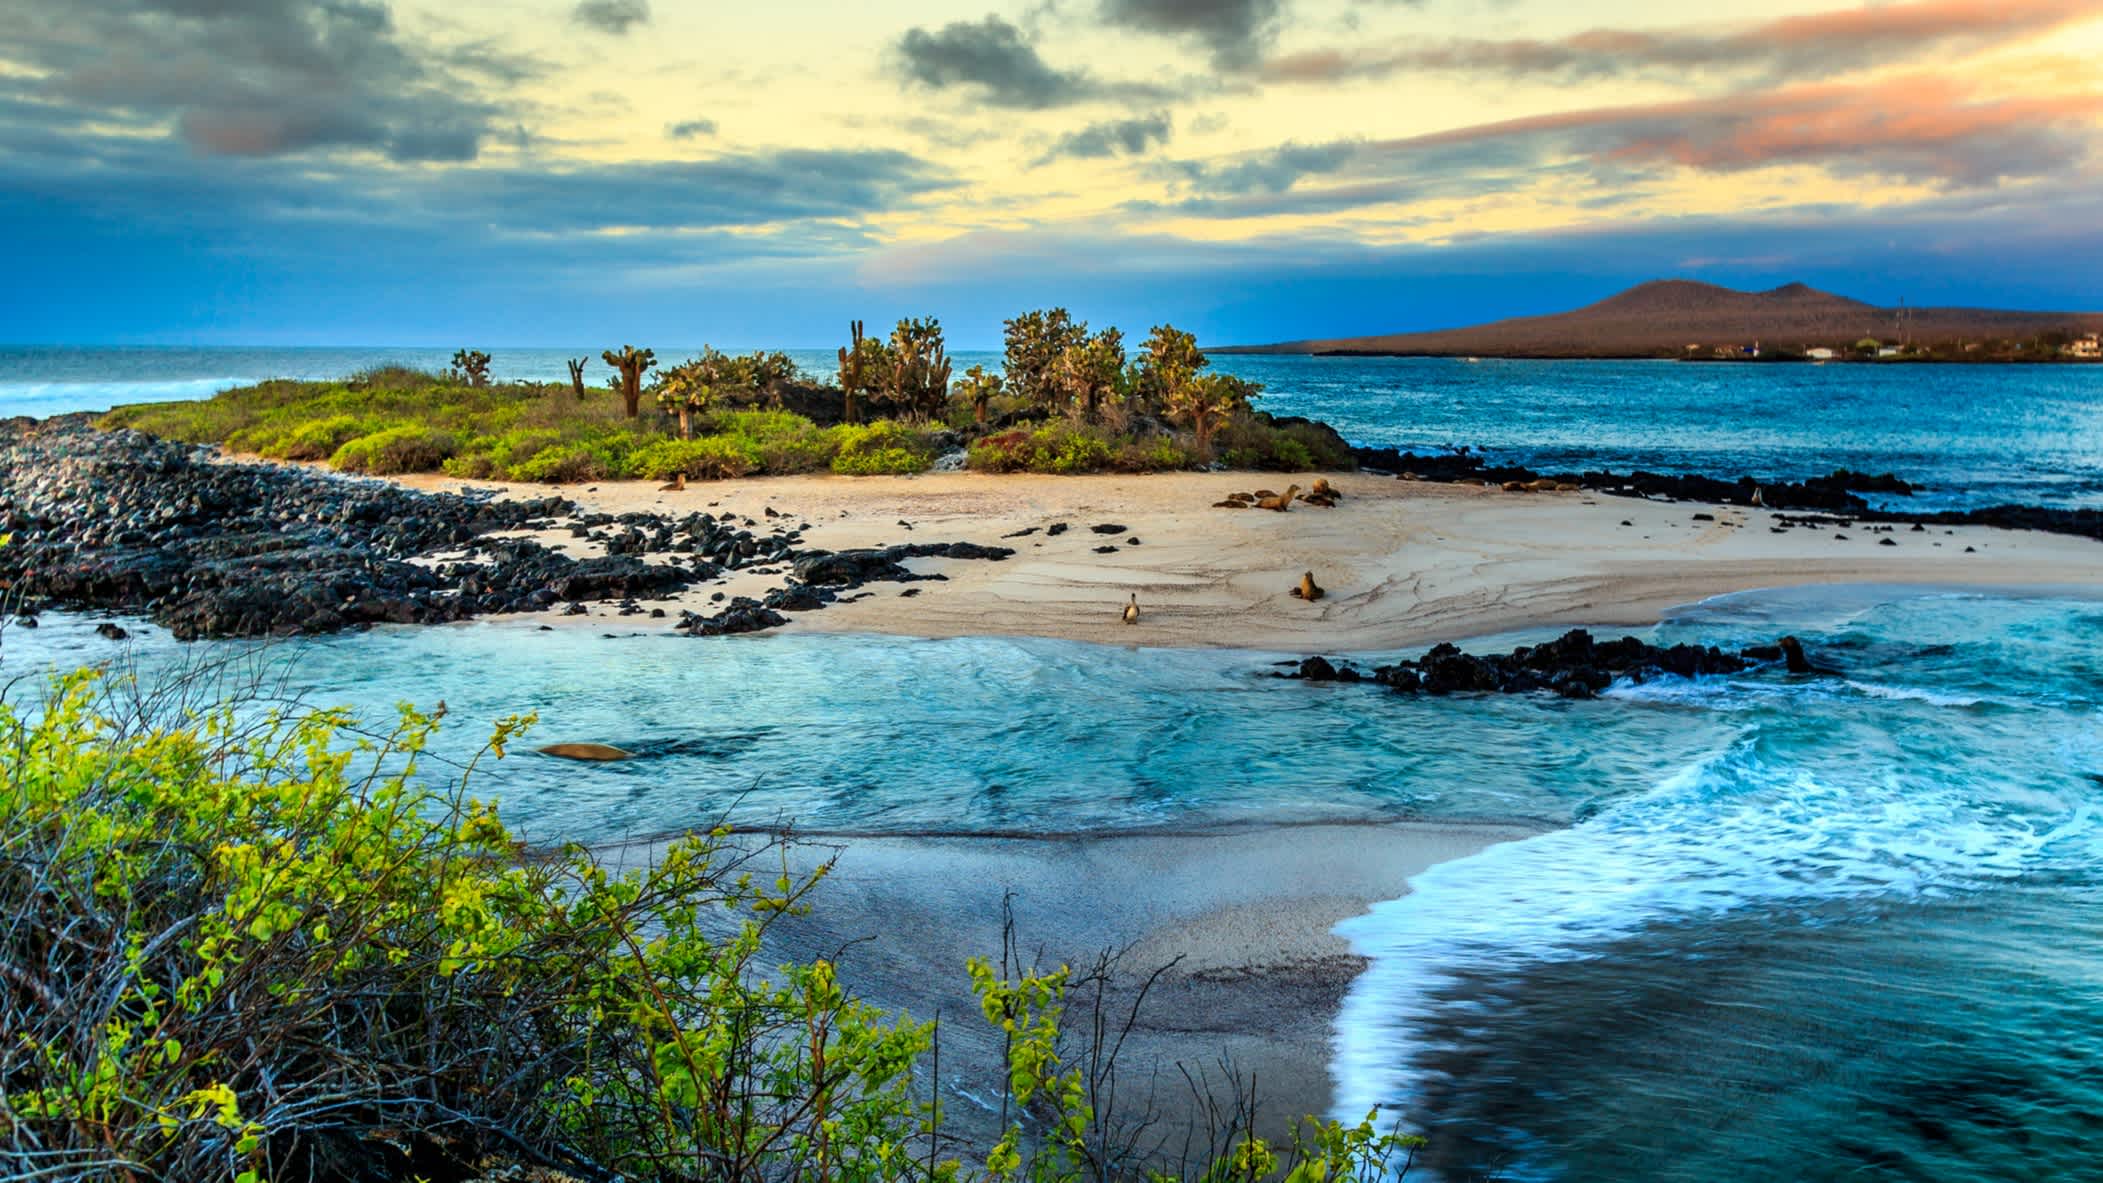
[[559, 172]]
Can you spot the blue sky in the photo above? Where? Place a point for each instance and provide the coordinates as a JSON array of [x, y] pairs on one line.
[[360, 171]]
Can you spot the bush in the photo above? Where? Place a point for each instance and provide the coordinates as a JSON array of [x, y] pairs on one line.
[[1256, 443], [566, 464], [781, 441], [1058, 447], [279, 959], [1156, 453], [396, 450], [882, 447], [245, 947], [713, 457], [317, 440]]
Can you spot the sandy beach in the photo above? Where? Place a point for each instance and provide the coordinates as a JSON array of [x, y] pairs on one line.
[[1240, 918], [1404, 563]]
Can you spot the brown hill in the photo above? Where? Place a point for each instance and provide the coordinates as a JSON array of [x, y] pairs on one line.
[[1663, 317]]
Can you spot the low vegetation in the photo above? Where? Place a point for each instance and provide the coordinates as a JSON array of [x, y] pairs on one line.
[[1068, 400], [251, 946]]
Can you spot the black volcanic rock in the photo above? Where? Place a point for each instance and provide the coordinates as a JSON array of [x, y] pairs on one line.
[[1574, 665]]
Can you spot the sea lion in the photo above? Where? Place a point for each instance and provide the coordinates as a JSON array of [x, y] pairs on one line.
[[1279, 503], [594, 752], [1131, 613], [1322, 488], [1308, 590], [1230, 503], [678, 485]]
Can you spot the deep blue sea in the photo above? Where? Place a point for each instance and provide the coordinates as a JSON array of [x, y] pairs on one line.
[[1842, 928], [1970, 435]]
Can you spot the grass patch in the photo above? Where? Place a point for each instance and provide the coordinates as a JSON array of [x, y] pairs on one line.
[[394, 420]]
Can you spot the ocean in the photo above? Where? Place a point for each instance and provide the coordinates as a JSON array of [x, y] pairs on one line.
[[1838, 928], [1970, 435]]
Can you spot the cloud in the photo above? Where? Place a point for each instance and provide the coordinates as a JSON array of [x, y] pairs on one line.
[[1795, 47], [1129, 137], [1235, 31], [611, 16], [1920, 128], [688, 129], [260, 77], [993, 57]]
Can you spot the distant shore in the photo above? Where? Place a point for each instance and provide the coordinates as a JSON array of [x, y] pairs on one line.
[[1402, 562]]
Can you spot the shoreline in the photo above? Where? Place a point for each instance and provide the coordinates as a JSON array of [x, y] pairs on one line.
[[1243, 920], [1402, 563]]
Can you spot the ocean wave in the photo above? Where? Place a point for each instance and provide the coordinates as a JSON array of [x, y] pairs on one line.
[[1748, 829]]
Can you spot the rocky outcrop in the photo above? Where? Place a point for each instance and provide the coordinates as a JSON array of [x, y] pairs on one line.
[[1574, 665], [121, 521]]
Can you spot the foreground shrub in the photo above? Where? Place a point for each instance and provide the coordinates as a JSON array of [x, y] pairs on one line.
[[252, 950], [248, 947], [882, 447], [396, 450]]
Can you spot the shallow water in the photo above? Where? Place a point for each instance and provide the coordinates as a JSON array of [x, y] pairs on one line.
[[1834, 928], [1970, 434]]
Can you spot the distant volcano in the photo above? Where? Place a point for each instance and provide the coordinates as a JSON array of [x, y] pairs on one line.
[[1665, 316]]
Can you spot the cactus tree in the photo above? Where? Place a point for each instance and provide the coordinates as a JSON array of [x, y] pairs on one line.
[[630, 364], [854, 371]]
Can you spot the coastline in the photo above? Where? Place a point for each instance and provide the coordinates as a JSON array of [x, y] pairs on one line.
[[1242, 918], [1403, 563]]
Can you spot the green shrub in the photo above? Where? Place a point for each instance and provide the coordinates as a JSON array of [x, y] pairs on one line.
[[884, 446], [249, 947], [782, 441], [396, 450], [1256, 443], [713, 457], [1057, 447], [1156, 453], [566, 464], [317, 440]]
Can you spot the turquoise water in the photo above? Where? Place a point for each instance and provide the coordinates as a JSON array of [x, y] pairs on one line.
[[1825, 929], [1973, 435]]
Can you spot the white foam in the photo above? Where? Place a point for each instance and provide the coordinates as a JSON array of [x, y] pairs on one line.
[[1727, 832]]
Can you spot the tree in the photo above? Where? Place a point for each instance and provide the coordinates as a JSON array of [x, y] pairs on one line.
[[1169, 359], [856, 371], [629, 365], [916, 380], [472, 364], [979, 388], [699, 384], [693, 386], [1035, 342], [768, 373], [1088, 370], [1205, 401], [576, 365]]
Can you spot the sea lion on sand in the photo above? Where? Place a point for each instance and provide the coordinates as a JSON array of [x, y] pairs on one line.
[[1279, 503], [595, 752], [1131, 613], [678, 485], [1308, 590]]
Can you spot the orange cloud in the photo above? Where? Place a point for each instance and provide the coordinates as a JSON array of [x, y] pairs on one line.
[[1917, 127], [1791, 47]]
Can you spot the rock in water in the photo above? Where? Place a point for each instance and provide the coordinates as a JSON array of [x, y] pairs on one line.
[[596, 752]]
